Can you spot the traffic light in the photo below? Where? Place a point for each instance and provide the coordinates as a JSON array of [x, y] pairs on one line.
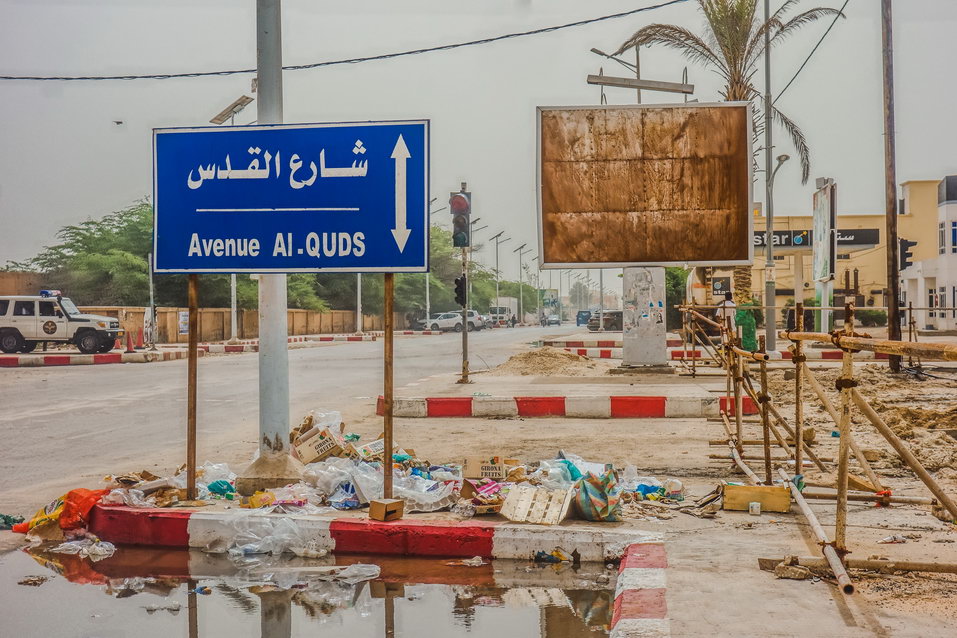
[[461, 206], [461, 288], [904, 255]]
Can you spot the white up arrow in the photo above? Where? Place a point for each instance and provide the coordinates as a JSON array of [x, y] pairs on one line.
[[400, 154]]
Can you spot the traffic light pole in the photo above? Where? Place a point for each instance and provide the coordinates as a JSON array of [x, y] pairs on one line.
[[465, 319], [890, 185]]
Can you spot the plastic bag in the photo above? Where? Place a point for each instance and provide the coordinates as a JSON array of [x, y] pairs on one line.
[[77, 506], [50, 513], [598, 498], [328, 475], [90, 547], [553, 475], [345, 498], [357, 573], [262, 534], [128, 497]]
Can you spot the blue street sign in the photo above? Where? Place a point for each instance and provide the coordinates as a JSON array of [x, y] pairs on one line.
[[345, 197]]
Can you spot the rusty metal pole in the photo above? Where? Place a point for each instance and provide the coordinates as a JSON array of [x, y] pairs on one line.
[[764, 397], [193, 359], [845, 383], [387, 393], [738, 398], [694, 347], [797, 356], [890, 183]]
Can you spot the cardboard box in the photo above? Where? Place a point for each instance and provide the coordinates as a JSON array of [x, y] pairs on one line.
[[369, 451], [773, 498], [386, 509], [316, 445], [493, 467]]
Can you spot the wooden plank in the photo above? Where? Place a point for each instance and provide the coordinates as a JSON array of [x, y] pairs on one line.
[[773, 498]]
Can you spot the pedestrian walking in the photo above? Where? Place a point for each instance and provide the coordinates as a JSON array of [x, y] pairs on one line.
[[726, 311]]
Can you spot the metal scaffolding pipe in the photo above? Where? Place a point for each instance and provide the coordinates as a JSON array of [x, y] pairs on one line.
[[830, 554], [945, 351]]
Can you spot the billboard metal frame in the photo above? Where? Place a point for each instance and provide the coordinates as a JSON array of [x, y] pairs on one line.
[[595, 265]]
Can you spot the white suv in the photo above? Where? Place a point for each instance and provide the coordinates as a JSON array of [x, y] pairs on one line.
[[453, 321], [28, 321]]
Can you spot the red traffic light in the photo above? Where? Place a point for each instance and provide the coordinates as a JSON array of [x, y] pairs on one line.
[[459, 203]]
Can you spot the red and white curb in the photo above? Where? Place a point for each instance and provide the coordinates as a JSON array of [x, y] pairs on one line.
[[813, 354], [599, 343], [38, 360], [342, 338], [216, 530], [582, 407], [419, 332], [596, 353], [641, 608]]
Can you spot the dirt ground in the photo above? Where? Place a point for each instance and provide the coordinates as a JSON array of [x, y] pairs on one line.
[[548, 361], [920, 409]]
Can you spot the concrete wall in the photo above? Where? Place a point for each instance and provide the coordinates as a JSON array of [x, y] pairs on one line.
[[214, 324], [21, 283]]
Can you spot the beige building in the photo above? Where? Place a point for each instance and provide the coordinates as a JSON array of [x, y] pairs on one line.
[[861, 267]]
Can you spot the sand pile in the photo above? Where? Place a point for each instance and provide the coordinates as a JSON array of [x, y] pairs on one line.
[[548, 361]]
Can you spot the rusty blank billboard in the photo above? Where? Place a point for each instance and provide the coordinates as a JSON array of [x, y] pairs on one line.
[[645, 185]]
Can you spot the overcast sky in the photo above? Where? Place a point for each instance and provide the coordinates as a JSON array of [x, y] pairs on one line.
[[65, 160]]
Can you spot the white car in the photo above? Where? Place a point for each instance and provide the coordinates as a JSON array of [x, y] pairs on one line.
[[28, 321], [453, 321]]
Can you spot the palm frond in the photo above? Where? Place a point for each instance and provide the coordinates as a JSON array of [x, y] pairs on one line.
[[799, 141], [802, 19], [675, 37], [784, 8]]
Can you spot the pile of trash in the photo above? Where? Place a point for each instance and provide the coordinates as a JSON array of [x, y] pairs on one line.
[[342, 473]]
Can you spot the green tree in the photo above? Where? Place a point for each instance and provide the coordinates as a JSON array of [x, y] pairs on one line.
[[732, 44]]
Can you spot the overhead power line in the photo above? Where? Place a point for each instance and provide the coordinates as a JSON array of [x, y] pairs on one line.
[[808, 58], [372, 58]]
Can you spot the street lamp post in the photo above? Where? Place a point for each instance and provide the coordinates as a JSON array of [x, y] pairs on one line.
[[498, 240], [521, 251], [770, 293]]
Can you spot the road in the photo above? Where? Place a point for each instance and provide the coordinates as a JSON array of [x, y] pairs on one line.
[[68, 427]]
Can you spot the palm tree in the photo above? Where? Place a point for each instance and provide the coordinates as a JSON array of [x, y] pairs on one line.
[[732, 45]]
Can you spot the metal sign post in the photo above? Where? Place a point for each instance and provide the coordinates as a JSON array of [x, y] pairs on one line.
[[193, 360], [465, 321], [388, 381]]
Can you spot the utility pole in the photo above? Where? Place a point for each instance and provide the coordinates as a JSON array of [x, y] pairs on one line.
[[770, 294], [359, 303], [601, 297], [274, 467], [890, 184], [428, 313], [233, 323]]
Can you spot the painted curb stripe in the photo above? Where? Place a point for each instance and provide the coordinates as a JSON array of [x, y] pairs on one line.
[[121, 525], [747, 406], [449, 406], [409, 538], [638, 407], [644, 555], [540, 406], [640, 603]]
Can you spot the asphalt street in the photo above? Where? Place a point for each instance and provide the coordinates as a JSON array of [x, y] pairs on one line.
[[69, 426]]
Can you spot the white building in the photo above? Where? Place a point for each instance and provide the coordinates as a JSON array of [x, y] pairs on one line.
[[931, 284]]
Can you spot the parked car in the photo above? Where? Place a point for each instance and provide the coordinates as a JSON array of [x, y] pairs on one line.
[[554, 320], [612, 320], [582, 318], [453, 321], [28, 321]]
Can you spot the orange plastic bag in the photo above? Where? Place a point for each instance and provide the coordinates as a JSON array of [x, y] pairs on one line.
[[77, 506]]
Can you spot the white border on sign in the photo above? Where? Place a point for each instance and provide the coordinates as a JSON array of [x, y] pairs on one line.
[[190, 129], [618, 264]]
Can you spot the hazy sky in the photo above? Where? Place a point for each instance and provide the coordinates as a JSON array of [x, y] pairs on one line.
[[64, 160]]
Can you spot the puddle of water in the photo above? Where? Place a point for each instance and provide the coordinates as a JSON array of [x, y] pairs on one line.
[[147, 594]]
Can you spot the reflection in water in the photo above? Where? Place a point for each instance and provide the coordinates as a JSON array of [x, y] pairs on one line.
[[419, 597]]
